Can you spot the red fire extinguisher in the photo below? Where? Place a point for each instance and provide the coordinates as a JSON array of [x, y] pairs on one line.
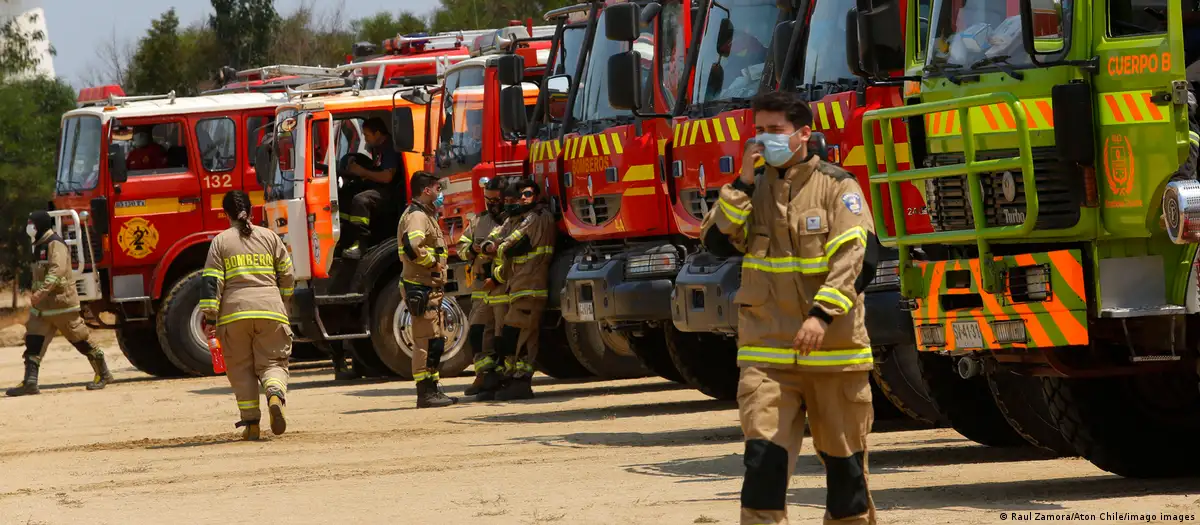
[[218, 359]]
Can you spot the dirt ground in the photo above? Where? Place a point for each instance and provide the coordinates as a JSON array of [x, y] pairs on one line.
[[616, 452]]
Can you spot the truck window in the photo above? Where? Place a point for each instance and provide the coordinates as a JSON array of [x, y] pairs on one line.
[[78, 155], [591, 98], [672, 42], [825, 64], [155, 149], [283, 181], [319, 133], [734, 49], [460, 140], [568, 51], [256, 129], [973, 35], [1136, 17], [924, 7], [216, 138]]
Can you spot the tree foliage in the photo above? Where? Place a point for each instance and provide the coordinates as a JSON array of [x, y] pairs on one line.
[[18, 46], [244, 29], [383, 25], [158, 65]]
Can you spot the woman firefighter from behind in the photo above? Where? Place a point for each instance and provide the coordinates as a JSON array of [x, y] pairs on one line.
[[248, 279]]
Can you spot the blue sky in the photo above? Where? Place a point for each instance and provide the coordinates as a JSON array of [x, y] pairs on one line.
[[78, 27]]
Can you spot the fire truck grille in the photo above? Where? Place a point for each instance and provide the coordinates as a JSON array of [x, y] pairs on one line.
[[698, 204], [596, 211], [1060, 192]]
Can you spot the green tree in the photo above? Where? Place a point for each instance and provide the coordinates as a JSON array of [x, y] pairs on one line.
[[244, 30], [375, 29], [489, 14], [157, 65], [18, 46]]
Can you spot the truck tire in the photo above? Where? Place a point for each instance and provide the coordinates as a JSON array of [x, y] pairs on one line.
[[1135, 426], [883, 410], [179, 327], [139, 343], [651, 350], [966, 404], [391, 333], [554, 357], [708, 362], [1022, 402], [898, 376], [587, 344]]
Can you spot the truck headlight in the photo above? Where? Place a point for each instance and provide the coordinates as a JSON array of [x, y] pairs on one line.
[[651, 264]]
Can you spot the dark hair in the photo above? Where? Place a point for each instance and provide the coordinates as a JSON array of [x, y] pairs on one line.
[[376, 124], [518, 186], [422, 180], [237, 207], [794, 109]]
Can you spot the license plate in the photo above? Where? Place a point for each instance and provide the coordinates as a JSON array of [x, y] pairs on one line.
[[587, 312], [967, 335]]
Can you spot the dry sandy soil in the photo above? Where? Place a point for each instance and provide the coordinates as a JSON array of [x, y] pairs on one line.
[[618, 452]]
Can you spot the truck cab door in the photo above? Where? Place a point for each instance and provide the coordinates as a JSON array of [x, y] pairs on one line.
[[321, 194], [219, 167], [258, 125]]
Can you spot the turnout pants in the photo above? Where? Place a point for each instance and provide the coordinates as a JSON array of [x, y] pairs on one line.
[[362, 206], [772, 405], [40, 330], [429, 339], [481, 334], [519, 336], [256, 355]]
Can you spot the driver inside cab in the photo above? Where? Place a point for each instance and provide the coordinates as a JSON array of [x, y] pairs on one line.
[[382, 185]]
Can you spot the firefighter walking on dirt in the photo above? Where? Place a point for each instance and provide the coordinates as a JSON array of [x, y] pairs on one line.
[[423, 277], [522, 267], [54, 308], [247, 282], [481, 334], [804, 229]]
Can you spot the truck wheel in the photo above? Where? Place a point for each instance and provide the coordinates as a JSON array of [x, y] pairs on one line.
[[898, 377], [651, 349], [1021, 401], [883, 410], [139, 343], [708, 362], [966, 403], [587, 343], [391, 333], [1136, 427], [180, 331], [554, 357]]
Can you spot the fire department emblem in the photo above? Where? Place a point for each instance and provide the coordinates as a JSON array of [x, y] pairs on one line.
[[1118, 164], [853, 203], [138, 238]]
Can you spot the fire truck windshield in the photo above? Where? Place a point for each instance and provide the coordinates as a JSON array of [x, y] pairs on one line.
[[826, 69], [568, 51], [591, 99], [78, 155], [460, 141], [734, 50], [980, 34], [283, 181]]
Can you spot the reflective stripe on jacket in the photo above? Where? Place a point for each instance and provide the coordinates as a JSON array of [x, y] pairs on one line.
[[52, 275], [247, 277], [422, 247]]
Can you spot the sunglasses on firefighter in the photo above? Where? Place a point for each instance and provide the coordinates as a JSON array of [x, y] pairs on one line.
[[528, 194]]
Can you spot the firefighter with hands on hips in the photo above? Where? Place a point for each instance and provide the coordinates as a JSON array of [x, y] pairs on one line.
[[54, 308], [522, 267], [423, 280], [247, 284], [481, 334], [805, 231]]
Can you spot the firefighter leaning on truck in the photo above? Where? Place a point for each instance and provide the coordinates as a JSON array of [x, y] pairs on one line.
[[54, 308], [481, 334], [423, 280], [804, 229], [247, 279], [521, 268]]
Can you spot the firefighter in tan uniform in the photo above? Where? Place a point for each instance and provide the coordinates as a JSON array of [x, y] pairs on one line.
[[480, 335], [54, 308], [248, 280], [804, 229], [522, 266], [497, 301], [423, 254]]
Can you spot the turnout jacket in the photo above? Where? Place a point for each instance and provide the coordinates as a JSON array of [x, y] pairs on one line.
[[523, 258], [422, 247], [52, 275], [247, 277], [483, 229], [805, 234]]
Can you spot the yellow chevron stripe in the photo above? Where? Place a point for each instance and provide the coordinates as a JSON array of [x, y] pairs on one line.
[[591, 142], [662, 146], [858, 155], [557, 147], [616, 143], [717, 130], [837, 114], [692, 138], [603, 143], [704, 131], [824, 117], [678, 128], [639, 172], [734, 134], [635, 192]]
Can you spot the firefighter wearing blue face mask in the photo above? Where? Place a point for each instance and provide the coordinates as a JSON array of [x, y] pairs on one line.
[[804, 229]]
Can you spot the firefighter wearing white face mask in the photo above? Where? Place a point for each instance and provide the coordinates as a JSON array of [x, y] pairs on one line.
[[804, 229]]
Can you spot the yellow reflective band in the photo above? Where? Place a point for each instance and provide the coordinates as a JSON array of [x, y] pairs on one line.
[[516, 236], [274, 382], [283, 264], [498, 299], [51, 313], [464, 238], [855, 233], [415, 235], [735, 215], [209, 272], [544, 250], [248, 405], [834, 297], [210, 304], [287, 292], [528, 293], [253, 314], [484, 363], [366, 221], [811, 265], [764, 354], [480, 294], [427, 260], [420, 376], [250, 270]]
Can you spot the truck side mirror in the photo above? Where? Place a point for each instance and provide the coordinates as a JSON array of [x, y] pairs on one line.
[[1029, 34], [624, 80], [512, 111], [117, 169], [622, 22], [402, 129], [817, 146], [781, 39], [725, 37], [557, 90], [99, 209], [853, 52], [510, 69], [881, 40], [264, 165], [419, 96], [650, 12]]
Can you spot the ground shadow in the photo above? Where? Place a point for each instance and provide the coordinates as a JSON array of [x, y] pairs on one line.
[[703, 436], [594, 388], [607, 412], [81, 384]]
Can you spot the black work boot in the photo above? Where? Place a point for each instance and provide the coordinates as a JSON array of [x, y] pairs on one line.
[[429, 395], [275, 405], [516, 389], [476, 386], [492, 382], [103, 376], [29, 386], [342, 371]]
